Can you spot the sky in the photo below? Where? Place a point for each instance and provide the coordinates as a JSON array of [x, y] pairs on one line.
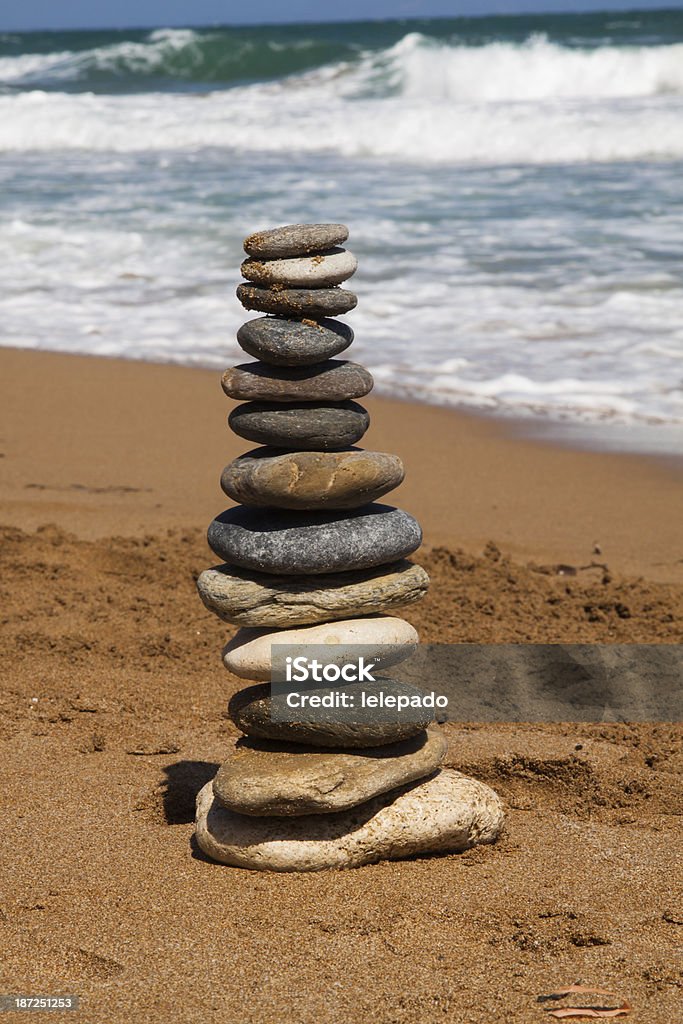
[[32, 14]]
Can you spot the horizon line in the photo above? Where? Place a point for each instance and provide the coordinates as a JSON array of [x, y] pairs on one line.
[[633, 9]]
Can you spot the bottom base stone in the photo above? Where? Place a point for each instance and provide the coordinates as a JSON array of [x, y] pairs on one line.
[[446, 813]]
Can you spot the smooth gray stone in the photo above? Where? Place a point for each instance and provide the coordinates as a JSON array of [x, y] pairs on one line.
[[309, 543], [257, 599], [445, 813], [282, 342], [251, 711], [323, 270], [263, 778], [295, 240], [335, 380], [302, 426], [271, 478], [297, 302]]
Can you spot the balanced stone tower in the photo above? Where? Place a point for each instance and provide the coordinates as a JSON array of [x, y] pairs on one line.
[[311, 557]]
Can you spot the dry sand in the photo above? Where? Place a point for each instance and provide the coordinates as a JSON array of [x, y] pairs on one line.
[[113, 715]]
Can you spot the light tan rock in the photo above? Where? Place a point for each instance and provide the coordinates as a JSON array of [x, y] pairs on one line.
[[258, 599], [322, 270], [446, 813], [267, 477], [248, 655], [263, 778]]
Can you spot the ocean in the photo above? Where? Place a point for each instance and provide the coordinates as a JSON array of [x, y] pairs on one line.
[[513, 186]]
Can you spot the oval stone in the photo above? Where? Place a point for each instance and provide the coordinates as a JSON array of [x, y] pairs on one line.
[[256, 599], [324, 270], [447, 813], [269, 478], [295, 240], [388, 640], [303, 543], [251, 710], [335, 380], [297, 302], [313, 426], [282, 342], [263, 777]]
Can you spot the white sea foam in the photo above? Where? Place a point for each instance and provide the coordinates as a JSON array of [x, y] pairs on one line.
[[446, 329], [418, 101], [535, 70], [505, 263], [263, 119]]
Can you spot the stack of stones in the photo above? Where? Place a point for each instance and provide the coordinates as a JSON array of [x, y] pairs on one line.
[[310, 557]]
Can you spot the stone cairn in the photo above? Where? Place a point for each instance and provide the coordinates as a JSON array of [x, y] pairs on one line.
[[312, 558]]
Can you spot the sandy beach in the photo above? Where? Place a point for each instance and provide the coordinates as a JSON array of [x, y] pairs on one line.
[[114, 714]]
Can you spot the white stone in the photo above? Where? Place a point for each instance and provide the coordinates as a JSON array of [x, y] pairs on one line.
[[248, 655], [318, 271], [445, 814]]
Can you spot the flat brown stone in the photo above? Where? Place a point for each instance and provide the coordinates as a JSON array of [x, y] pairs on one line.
[[297, 302], [266, 477], [334, 380], [263, 778]]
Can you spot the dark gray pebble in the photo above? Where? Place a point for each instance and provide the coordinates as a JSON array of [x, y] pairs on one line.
[[301, 426], [293, 342], [303, 543]]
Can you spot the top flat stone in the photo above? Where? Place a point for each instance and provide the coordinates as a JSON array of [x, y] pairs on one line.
[[295, 240], [323, 270]]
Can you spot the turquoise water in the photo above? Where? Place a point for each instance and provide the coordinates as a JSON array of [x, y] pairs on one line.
[[512, 185]]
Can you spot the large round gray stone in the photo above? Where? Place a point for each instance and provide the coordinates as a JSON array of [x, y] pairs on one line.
[[263, 777], [294, 240], [335, 380], [303, 543], [251, 710], [283, 342], [324, 270], [269, 478], [256, 599], [303, 426], [387, 639], [297, 302], [446, 813]]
